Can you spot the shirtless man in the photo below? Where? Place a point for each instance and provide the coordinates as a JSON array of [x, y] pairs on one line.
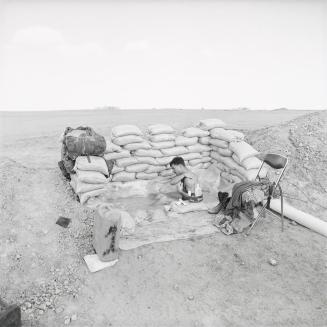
[[188, 182]]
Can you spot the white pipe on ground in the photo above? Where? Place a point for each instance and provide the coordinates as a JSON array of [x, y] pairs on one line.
[[300, 217]]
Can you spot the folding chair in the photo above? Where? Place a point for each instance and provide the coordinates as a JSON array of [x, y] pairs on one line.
[[277, 162]]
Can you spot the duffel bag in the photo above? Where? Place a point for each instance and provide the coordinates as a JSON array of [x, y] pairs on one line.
[[84, 141]]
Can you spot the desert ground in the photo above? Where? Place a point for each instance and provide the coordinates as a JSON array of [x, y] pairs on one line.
[[215, 280]]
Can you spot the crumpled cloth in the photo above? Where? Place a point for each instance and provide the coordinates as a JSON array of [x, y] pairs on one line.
[[232, 225]]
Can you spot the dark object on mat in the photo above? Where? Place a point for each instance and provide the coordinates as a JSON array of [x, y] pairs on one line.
[[10, 315], [63, 169], [63, 221]]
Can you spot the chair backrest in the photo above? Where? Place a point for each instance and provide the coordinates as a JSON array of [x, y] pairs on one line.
[[275, 161]]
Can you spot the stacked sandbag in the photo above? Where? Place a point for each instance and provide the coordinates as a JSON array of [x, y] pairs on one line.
[[125, 140], [198, 154], [234, 168], [162, 140], [90, 177], [234, 157]]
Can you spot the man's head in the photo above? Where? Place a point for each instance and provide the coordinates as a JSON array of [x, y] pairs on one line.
[[178, 165]]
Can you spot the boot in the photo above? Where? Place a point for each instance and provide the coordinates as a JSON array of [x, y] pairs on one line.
[[215, 209]]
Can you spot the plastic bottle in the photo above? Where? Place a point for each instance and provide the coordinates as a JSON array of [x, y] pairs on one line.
[[198, 190], [106, 233]]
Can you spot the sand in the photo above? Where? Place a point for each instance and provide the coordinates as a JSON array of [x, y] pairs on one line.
[[209, 281]]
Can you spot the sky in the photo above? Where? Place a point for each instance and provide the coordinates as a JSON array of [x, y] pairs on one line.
[[163, 54]]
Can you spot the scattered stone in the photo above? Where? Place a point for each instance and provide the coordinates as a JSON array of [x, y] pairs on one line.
[[191, 297], [74, 317], [67, 321], [176, 287], [59, 310], [28, 305], [272, 262], [40, 312], [139, 257], [294, 223]]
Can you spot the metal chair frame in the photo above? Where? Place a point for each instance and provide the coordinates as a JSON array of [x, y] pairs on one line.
[[275, 161]]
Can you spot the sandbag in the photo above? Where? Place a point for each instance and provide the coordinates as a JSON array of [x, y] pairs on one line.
[[146, 176], [204, 140], [191, 156], [198, 161], [83, 197], [117, 155], [116, 170], [194, 132], [165, 160], [147, 160], [155, 169], [123, 176], [225, 152], [243, 150], [206, 165], [160, 129], [112, 147], [126, 161], [252, 173], [197, 166], [148, 153], [198, 148], [221, 166], [92, 163], [167, 173], [175, 151], [80, 187], [226, 135], [205, 154], [92, 177], [219, 143], [123, 140], [123, 130], [83, 141], [137, 146], [185, 141], [136, 168], [162, 145], [208, 124], [249, 163], [162, 137]]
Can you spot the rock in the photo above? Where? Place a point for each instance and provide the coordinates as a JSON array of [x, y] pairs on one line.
[[272, 262], [42, 307], [67, 321], [74, 317], [176, 287], [28, 305], [59, 310], [191, 297], [40, 312]]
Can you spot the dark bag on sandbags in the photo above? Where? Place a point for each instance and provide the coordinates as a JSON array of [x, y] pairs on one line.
[[83, 141]]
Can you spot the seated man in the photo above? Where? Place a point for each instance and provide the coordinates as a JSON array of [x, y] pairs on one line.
[[189, 186]]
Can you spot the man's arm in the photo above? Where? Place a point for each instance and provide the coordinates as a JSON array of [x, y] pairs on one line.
[[176, 179]]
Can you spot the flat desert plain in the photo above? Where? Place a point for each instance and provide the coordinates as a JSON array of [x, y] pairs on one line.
[[209, 281]]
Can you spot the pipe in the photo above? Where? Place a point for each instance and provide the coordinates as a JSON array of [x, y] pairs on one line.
[[300, 217]]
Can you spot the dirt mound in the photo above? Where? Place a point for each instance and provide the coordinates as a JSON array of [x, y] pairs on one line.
[[39, 259], [304, 141]]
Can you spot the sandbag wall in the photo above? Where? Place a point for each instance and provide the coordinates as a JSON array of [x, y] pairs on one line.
[[145, 156]]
